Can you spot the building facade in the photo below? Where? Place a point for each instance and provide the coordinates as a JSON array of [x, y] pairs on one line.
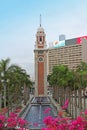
[[70, 54], [40, 53]]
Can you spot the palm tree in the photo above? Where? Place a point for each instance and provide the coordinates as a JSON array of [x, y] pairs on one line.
[[4, 65], [18, 82], [59, 79], [0, 95], [82, 80], [69, 82], [14, 78]]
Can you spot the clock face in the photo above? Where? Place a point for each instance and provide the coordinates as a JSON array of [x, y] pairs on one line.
[[40, 59]]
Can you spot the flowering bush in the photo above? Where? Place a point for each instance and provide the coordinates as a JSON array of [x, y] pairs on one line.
[[65, 123], [61, 123], [65, 106], [12, 122], [47, 110]]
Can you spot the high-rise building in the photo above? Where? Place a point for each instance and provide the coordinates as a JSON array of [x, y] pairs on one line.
[[40, 63], [70, 53], [62, 37]]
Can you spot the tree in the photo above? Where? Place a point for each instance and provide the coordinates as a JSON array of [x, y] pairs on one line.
[[13, 79], [4, 66], [59, 78], [82, 83]]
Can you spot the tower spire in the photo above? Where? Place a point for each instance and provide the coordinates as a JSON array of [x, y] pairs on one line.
[[40, 20]]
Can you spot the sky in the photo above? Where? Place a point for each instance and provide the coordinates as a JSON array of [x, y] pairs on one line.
[[19, 20]]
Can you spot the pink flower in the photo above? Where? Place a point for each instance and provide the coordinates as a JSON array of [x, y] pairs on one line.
[[22, 122], [65, 106], [85, 112], [12, 114], [2, 118], [47, 110], [48, 120], [1, 125]]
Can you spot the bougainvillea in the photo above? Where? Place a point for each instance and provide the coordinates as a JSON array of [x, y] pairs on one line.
[[66, 123], [13, 121], [65, 106], [51, 123]]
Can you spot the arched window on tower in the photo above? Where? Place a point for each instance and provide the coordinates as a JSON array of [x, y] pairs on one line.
[[40, 39]]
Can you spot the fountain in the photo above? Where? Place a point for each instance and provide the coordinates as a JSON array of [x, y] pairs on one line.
[[35, 115]]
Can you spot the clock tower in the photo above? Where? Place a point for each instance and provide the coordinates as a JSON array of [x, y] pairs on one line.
[[40, 53]]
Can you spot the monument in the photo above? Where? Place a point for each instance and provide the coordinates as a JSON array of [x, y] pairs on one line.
[[40, 53]]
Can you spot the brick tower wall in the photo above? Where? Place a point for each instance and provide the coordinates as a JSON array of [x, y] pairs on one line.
[[40, 78]]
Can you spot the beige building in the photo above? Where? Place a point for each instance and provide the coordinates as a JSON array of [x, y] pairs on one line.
[[70, 55]]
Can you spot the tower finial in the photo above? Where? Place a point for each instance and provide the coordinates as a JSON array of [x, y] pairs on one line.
[[40, 20]]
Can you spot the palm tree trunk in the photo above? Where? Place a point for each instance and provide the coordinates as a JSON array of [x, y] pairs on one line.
[[75, 98], [58, 94], [84, 100], [79, 100], [4, 95], [61, 96], [70, 106], [0, 100]]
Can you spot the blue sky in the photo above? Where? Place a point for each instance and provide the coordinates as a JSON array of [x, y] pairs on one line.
[[19, 20]]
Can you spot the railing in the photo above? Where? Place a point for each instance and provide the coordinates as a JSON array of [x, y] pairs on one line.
[[77, 100]]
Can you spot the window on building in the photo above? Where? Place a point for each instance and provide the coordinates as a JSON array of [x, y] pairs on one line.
[[40, 39]]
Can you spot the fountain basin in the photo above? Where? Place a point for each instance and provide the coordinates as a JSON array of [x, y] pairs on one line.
[[35, 113]]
